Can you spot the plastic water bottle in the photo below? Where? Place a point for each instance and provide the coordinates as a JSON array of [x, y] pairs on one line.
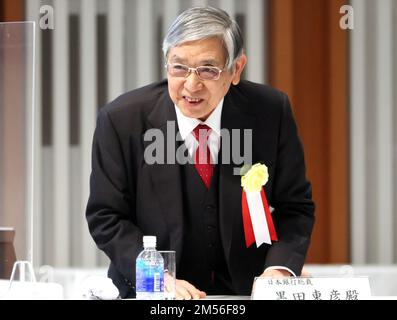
[[149, 272]]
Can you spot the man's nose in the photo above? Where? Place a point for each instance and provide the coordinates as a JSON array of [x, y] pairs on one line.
[[193, 83]]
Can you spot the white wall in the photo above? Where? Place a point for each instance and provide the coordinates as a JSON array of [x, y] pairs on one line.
[[373, 135]]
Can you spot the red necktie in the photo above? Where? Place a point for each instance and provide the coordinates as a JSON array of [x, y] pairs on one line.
[[202, 157]]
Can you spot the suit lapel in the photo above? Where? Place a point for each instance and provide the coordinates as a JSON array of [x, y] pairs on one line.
[[233, 117], [166, 178]]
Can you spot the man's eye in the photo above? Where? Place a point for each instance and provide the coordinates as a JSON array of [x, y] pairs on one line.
[[208, 71], [179, 67]]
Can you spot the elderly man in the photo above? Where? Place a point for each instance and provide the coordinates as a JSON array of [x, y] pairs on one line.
[[196, 208]]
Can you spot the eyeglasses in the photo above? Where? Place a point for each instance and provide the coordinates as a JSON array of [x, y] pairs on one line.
[[203, 72]]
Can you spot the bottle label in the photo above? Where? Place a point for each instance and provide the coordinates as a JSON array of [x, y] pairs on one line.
[[149, 278]]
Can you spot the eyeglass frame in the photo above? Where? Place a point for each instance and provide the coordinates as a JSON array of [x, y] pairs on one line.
[[190, 70]]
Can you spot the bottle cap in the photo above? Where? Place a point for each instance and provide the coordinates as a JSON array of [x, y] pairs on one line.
[[149, 241]]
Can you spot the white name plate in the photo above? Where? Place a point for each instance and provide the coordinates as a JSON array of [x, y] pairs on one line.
[[311, 288]]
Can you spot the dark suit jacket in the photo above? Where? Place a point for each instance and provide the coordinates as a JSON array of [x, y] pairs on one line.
[[129, 198]]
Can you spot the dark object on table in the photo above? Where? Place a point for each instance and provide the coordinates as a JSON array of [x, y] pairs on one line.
[[7, 252]]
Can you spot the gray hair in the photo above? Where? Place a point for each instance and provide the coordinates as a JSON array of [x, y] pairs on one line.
[[205, 22]]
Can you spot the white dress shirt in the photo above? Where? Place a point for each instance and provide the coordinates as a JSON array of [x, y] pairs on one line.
[[186, 126]]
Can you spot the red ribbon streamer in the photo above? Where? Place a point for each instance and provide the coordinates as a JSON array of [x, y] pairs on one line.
[[248, 229]]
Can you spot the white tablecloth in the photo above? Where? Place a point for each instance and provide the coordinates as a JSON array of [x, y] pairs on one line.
[[383, 279]]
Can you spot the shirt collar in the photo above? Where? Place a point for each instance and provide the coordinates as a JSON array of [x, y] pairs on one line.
[[186, 124]]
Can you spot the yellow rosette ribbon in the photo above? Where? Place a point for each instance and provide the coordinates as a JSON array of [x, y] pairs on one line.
[[255, 178], [257, 219]]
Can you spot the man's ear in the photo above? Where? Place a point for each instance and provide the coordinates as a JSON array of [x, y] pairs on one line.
[[238, 69]]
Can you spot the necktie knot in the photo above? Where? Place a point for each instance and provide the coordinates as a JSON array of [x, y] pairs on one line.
[[201, 132]]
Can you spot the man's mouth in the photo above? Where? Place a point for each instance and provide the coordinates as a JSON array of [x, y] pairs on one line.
[[193, 101]]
